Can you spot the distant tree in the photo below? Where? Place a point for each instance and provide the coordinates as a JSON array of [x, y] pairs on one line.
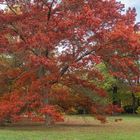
[[123, 92]]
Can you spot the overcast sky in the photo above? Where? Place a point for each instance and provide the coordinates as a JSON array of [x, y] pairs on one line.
[[133, 3]]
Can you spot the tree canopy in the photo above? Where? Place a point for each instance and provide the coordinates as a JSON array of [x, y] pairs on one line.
[[58, 43]]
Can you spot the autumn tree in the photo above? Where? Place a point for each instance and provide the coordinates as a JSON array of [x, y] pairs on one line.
[[59, 42]]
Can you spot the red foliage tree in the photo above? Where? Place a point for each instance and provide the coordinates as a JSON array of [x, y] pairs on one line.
[[59, 42]]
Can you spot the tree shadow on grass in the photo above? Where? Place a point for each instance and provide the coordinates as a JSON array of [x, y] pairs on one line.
[[58, 127]]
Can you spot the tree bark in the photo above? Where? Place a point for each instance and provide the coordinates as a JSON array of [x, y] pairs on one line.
[[116, 100], [115, 90], [48, 119], [133, 103]]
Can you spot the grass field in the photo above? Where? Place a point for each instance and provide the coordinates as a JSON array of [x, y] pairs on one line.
[[76, 128]]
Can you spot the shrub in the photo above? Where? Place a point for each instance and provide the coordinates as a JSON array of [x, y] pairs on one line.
[[129, 109], [138, 110]]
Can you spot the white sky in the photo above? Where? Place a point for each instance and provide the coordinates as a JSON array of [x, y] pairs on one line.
[[133, 3]]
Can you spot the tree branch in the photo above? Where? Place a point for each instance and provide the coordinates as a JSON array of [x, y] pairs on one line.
[[10, 7]]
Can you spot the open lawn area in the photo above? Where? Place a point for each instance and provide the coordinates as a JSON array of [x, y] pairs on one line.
[[76, 128]]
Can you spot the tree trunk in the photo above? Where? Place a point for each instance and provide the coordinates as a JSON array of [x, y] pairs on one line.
[[48, 119], [133, 103], [115, 100], [138, 101]]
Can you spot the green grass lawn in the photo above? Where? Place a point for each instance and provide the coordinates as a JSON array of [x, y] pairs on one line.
[[76, 128]]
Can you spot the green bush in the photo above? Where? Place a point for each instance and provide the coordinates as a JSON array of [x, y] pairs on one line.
[[138, 110]]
